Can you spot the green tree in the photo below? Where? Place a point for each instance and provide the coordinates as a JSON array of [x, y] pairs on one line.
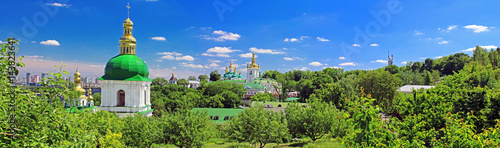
[[331, 93], [214, 75], [182, 82], [187, 129], [159, 81], [192, 78], [381, 85], [393, 69], [313, 121], [428, 78], [97, 99], [202, 77], [262, 96], [257, 125], [141, 131]]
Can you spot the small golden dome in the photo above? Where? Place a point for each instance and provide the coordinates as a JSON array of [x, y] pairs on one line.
[[128, 22], [127, 39]]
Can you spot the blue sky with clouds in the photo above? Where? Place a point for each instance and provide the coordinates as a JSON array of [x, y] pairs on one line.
[[197, 37]]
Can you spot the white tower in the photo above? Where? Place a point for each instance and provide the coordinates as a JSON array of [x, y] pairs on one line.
[[125, 84], [253, 70]]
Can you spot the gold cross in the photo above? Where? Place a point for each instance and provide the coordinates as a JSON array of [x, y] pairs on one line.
[[128, 11]]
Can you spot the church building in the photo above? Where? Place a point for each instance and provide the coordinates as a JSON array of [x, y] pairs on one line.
[[125, 85]]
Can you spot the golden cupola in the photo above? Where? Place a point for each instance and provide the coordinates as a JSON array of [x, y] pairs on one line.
[[127, 41], [253, 64], [78, 85], [90, 98]]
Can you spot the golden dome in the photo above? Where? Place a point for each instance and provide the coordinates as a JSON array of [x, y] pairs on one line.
[[128, 22], [253, 65]]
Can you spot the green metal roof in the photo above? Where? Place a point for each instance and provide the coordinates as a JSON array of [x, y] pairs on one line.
[[274, 104], [265, 80], [237, 81], [127, 68], [220, 112], [255, 85], [291, 99]]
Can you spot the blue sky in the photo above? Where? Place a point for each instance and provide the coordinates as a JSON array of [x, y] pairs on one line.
[[197, 37]]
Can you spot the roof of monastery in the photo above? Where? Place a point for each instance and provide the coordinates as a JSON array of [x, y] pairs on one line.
[[127, 68], [255, 85]]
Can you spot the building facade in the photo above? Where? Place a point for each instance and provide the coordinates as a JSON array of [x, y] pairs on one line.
[[125, 86]]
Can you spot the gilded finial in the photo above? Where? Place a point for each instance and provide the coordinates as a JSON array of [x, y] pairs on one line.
[[172, 74], [128, 10]]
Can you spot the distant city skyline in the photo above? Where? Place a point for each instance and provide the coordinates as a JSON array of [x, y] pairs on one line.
[[192, 38]]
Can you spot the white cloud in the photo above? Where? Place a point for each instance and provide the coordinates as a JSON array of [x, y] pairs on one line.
[[443, 42], [2, 42], [168, 57], [214, 65], [159, 38], [423, 58], [174, 55], [315, 64], [291, 40], [438, 57], [355, 45], [247, 55], [485, 47], [191, 65], [341, 58], [303, 37], [267, 51], [169, 53], [50, 43], [477, 28], [158, 60], [417, 32], [221, 50], [214, 61], [348, 64], [451, 28], [374, 45], [223, 36], [31, 41], [303, 68], [322, 39], [185, 58], [207, 54], [57, 5], [379, 61], [223, 55], [404, 62], [292, 58]]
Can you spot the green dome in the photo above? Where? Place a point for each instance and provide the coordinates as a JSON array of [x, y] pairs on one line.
[[235, 76], [225, 76], [126, 67]]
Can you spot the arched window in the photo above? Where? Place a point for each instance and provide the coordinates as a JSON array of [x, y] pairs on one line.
[[279, 105], [145, 98], [211, 117], [216, 118], [120, 100]]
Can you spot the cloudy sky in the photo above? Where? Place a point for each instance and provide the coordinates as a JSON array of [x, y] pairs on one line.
[[197, 37]]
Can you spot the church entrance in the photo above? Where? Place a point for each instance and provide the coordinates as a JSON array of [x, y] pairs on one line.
[[121, 98]]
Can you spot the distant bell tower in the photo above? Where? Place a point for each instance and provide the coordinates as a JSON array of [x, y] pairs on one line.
[[253, 70], [390, 59]]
